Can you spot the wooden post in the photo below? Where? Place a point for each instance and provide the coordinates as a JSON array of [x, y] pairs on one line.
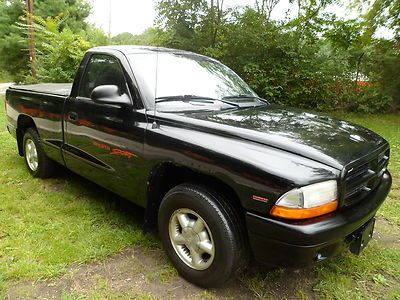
[[31, 38]]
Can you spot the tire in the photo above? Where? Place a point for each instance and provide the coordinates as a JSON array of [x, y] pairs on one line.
[[37, 162], [204, 263]]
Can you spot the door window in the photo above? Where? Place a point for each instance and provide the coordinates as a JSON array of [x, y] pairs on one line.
[[102, 70]]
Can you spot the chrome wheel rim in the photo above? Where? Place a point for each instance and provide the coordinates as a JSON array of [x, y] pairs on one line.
[[31, 155], [191, 239]]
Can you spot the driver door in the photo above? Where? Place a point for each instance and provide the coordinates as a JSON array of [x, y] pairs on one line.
[[104, 142]]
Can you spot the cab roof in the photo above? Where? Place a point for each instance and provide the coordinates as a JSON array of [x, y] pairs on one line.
[[130, 49]]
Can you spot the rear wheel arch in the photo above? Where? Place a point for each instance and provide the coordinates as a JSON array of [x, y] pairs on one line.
[[24, 122]]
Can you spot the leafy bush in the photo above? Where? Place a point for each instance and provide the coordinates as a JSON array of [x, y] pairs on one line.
[[371, 100], [59, 52], [59, 58]]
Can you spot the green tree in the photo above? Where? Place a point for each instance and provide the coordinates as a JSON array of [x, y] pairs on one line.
[[95, 36], [76, 11], [191, 24], [382, 67], [13, 44], [150, 37], [124, 38], [265, 7], [380, 13], [13, 47], [181, 19], [384, 57]]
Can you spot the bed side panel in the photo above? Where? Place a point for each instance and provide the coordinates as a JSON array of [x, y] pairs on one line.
[[45, 110]]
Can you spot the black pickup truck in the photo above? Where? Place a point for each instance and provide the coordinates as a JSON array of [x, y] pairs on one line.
[[223, 174]]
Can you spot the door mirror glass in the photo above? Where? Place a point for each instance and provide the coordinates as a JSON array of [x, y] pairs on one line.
[[109, 94]]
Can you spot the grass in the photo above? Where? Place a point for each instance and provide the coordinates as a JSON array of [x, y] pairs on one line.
[[48, 226]]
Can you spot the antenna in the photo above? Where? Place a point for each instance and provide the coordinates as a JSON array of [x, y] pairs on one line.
[[154, 126], [109, 22]]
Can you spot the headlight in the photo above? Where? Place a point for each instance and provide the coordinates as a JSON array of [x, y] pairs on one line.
[[307, 202]]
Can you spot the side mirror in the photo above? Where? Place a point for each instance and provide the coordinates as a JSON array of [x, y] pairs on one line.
[[109, 94]]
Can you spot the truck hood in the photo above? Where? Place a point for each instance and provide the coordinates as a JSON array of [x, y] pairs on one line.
[[321, 138]]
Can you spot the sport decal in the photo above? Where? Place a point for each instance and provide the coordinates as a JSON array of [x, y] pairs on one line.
[[127, 154], [114, 151], [102, 146]]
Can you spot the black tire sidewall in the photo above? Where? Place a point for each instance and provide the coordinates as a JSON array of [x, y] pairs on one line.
[[220, 225]]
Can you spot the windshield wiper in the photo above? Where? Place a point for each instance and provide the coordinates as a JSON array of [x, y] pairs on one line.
[[245, 97], [191, 98], [182, 98]]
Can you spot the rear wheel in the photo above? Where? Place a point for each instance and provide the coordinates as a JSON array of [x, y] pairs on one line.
[[202, 235], [39, 165]]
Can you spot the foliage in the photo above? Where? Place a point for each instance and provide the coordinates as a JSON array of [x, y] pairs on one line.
[[5, 77], [190, 24], [124, 38], [95, 36], [276, 67], [59, 51], [312, 60], [13, 44], [382, 13], [150, 37], [13, 47], [76, 10], [382, 66]]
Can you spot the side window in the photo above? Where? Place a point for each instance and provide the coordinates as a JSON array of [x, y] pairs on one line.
[[102, 70]]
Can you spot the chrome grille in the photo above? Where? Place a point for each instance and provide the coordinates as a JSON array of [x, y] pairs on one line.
[[363, 178]]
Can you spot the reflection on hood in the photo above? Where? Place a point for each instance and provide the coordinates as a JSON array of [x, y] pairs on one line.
[[299, 130]]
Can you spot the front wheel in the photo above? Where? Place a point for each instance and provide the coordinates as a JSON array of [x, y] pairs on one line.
[[39, 165], [202, 235]]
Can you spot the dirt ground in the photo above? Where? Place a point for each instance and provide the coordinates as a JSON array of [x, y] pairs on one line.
[[137, 273], [133, 272]]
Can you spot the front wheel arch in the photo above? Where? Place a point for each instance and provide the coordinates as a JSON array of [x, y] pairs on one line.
[[166, 176]]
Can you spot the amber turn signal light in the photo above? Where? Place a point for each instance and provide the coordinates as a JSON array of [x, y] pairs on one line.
[[303, 213]]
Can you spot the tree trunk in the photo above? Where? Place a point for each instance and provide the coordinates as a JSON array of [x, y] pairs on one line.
[[31, 38]]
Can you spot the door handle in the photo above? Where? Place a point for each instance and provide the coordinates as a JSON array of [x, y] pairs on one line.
[[73, 116]]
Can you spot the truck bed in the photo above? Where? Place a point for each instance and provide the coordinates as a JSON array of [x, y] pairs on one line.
[[59, 89]]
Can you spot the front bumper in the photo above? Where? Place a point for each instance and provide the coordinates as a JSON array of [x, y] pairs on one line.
[[285, 243]]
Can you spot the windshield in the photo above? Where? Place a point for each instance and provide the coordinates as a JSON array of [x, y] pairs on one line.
[[182, 75]]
